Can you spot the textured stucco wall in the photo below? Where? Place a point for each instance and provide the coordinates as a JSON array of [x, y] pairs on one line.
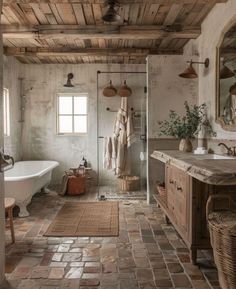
[[11, 75], [42, 83], [166, 90], [222, 16]]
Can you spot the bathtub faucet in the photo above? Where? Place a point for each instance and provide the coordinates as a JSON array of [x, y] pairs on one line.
[[4, 161]]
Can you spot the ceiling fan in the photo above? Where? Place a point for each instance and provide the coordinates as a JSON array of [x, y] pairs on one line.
[[111, 14]]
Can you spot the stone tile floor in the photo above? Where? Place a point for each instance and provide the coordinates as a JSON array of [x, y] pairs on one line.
[[147, 254]]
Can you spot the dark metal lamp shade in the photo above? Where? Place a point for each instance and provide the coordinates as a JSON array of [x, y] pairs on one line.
[[111, 13], [189, 72], [69, 77]]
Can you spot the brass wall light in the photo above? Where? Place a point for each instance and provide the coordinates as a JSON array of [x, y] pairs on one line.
[[190, 72], [69, 77]]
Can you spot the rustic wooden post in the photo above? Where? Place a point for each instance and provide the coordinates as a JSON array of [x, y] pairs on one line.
[[2, 210]]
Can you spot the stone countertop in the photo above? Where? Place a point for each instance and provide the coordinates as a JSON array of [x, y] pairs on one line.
[[201, 167]]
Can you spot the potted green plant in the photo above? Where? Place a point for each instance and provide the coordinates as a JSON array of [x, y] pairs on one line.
[[187, 127]]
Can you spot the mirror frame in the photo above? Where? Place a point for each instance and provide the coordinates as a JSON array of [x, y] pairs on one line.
[[219, 119]]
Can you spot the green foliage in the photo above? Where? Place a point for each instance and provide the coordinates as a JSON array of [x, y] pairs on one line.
[[189, 125]]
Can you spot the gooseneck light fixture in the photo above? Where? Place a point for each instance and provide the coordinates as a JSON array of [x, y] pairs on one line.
[[70, 76], [111, 14], [190, 72]]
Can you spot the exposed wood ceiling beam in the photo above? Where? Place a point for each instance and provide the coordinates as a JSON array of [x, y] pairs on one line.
[[42, 52], [98, 31], [161, 2]]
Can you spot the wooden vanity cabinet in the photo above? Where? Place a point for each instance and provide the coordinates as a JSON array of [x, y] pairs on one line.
[[185, 206]]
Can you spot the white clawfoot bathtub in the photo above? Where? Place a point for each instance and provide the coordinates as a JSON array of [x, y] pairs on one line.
[[25, 179]]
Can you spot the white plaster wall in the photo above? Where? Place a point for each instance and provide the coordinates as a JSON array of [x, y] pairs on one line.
[[42, 83], [166, 90], [222, 16], [12, 143]]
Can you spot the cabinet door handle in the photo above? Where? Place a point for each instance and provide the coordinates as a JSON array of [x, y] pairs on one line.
[[179, 189], [171, 182]]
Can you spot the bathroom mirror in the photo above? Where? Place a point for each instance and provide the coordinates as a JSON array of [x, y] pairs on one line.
[[226, 80]]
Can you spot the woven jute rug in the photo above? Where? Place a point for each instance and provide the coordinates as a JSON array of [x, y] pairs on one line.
[[86, 219]]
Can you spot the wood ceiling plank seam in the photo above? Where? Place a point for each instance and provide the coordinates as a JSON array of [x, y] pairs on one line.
[[35, 42], [181, 43], [88, 14], [56, 13], [97, 12], [161, 15], [94, 43], [165, 43], [192, 13], [29, 14], [184, 12], [173, 13], [48, 13], [4, 20], [133, 13], [79, 13], [19, 13], [203, 13], [7, 43], [102, 43], [9, 14], [66, 13], [140, 14], [39, 13], [150, 14]]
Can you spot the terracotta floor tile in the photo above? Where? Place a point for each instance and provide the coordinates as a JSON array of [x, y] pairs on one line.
[[147, 254]]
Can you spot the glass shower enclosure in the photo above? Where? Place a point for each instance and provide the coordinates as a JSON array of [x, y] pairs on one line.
[[131, 184]]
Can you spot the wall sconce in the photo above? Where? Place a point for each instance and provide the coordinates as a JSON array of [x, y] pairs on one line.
[[69, 77], [190, 72]]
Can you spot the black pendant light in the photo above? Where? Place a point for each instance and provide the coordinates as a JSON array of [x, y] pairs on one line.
[[111, 14], [69, 77]]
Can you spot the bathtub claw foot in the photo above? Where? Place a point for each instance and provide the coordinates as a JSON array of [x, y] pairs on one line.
[[23, 212]]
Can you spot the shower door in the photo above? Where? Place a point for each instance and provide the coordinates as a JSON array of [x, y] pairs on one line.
[[109, 185]]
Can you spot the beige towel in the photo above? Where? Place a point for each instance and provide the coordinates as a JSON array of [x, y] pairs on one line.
[[107, 156], [123, 130], [114, 142]]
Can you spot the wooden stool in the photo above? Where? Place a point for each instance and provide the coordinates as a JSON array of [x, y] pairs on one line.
[[9, 205]]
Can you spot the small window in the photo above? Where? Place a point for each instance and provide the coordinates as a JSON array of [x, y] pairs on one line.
[[72, 114], [6, 112]]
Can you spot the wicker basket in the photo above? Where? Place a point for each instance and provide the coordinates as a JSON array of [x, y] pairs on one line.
[[129, 183], [222, 227], [161, 190]]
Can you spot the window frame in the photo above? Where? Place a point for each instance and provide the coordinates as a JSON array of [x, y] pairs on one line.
[[73, 95], [6, 112]]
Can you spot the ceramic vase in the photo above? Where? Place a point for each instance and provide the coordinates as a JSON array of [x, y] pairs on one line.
[[185, 145]]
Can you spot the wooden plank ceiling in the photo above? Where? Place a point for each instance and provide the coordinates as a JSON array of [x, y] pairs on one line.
[[72, 31]]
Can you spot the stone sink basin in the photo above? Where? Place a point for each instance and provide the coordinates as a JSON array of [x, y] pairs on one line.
[[216, 157]]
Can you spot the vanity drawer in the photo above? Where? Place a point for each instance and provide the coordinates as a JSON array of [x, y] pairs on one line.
[[178, 187]]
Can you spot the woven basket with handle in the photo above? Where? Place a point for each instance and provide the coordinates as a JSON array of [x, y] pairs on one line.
[[222, 227]]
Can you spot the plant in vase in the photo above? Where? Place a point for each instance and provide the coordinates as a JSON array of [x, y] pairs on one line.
[[187, 127]]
